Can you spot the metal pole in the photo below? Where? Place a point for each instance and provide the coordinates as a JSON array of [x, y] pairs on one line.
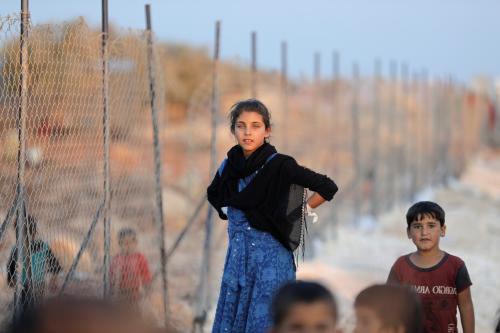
[[336, 128], [355, 143], [462, 129], [82, 249], [254, 64], [23, 243], [335, 133], [404, 134], [203, 291], [426, 127], [105, 106], [450, 119], [317, 79], [415, 138], [437, 130], [317, 125], [160, 221], [284, 93], [447, 149], [375, 199], [392, 170]]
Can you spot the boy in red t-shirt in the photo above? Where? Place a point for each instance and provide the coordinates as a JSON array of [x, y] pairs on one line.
[[440, 279], [129, 270]]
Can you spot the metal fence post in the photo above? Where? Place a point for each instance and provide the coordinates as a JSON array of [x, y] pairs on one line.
[[157, 161]]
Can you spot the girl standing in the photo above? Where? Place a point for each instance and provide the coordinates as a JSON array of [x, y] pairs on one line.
[[252, 190]]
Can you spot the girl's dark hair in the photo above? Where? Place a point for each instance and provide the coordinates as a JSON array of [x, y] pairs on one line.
[[251, 105], [299, 292], [394, 305], [425, 208]]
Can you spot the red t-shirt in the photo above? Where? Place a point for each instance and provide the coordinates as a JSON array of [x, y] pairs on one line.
[[129, 272], [438, 288]]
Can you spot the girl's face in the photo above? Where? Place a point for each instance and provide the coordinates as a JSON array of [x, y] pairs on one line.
[[250, 131], [317, 317]]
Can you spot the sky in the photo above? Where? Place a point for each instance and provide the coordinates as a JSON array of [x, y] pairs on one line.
[[445, 37]]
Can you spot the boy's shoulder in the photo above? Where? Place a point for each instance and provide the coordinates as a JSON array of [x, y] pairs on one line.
[[402, 260], [448, 259], [455, 260]]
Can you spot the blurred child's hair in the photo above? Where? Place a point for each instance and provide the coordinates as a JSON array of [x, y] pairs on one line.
[[126, 232], [71, 314], [394, 305], [425, 209], [252, 105], [296, 292]]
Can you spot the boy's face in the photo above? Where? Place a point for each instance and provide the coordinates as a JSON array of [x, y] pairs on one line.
[[250, 131], [425, 233], [367, 321], [317, 317], [128, 244]]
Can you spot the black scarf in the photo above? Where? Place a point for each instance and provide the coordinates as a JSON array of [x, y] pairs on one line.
[[265, 200]]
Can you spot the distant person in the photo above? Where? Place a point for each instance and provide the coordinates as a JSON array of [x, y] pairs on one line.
[[254, 189], [439, 278], [304, 307], [129, 271], [42, 260], [388, 309]]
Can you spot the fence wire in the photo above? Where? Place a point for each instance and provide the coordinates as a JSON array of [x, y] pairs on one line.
[[412, 134], [64, 166]]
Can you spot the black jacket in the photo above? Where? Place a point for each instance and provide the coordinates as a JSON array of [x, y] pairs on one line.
[[264, 201]]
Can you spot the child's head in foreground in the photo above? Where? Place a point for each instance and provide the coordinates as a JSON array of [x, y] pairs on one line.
[[127, 239], [388, 309], [302, 306], [425, 221], [81, 315]]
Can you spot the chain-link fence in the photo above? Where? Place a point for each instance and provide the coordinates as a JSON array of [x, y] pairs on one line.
[[52, 232], [384, 139]]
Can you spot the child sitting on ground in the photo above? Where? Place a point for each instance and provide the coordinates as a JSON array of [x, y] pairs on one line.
[[440, 279], [303, 307], [43, 261], [388, 309], [129, 271]]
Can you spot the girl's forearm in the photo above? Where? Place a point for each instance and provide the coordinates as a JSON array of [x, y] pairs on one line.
[[315, 200]]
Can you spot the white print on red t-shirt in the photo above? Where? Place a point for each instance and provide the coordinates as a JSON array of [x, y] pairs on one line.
[[435, 290]]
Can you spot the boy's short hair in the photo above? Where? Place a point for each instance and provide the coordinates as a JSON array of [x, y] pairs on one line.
[[394, 305], [425, 208], [126, 232], [299, 292]]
